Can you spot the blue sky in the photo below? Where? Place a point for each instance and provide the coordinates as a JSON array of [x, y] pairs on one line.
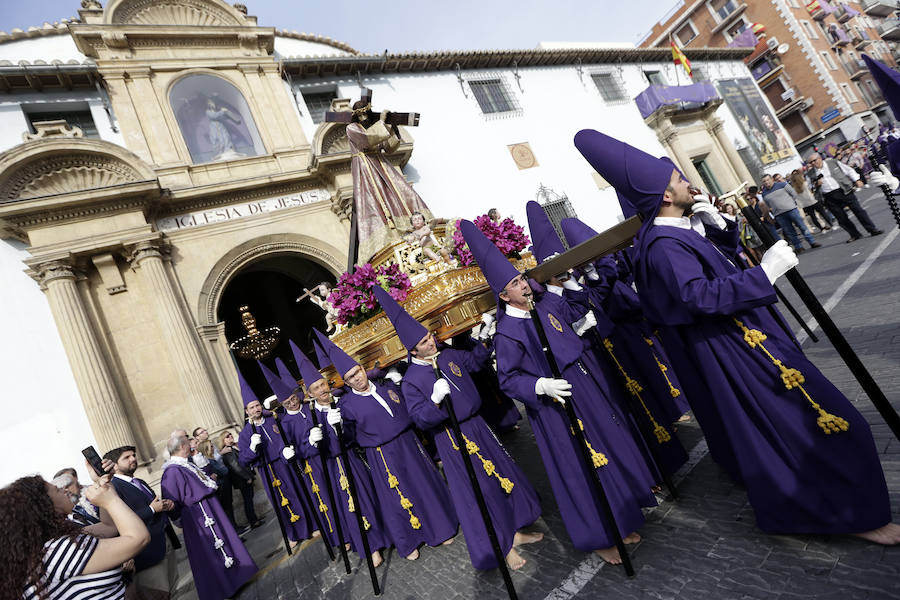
[[405, 25]]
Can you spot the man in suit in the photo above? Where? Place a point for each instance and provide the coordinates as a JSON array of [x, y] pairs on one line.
[[149, 566]]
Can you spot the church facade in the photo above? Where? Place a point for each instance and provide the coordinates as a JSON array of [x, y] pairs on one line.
[[164, 163]]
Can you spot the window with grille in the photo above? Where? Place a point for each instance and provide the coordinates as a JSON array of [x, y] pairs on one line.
[[79, 118], [493, 96], [318, 103], [610, 86], [655, 78], [557, 210]]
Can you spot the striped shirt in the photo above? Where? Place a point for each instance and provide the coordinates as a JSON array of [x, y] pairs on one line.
[[64, 561]]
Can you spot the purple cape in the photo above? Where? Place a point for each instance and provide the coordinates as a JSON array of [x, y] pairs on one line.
[[194, 501], [798, 478], [509, 510]]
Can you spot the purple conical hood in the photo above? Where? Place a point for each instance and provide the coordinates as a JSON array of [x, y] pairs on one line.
[[544, 237], [247, 393], [576, 231], [280, 388], [408, 329], [341, 361], [639, 177], [888, 80], [496, 268], [321, 356], [308, 371]]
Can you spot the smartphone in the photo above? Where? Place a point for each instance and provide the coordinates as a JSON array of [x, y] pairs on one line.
[[94, 459]]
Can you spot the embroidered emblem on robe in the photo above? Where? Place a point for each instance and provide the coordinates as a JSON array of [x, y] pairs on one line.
[[393, 396], [275, 428], [454, 368], [555, 322]]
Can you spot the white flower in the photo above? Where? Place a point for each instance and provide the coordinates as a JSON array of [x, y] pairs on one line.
[[219, 543], [228, 562]]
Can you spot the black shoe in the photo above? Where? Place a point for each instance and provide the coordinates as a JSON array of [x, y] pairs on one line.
[[853, 239], [876, 232], [815, 245], [799, 250]]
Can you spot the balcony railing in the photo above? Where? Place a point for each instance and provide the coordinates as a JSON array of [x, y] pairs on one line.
[[728, 13], [879, 8], [855, 68], [859, 38], [837, 36], [890, 29]]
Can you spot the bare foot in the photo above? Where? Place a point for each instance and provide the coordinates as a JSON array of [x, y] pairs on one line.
[[526, 538], [293, 544], [887, 535], [316, 533], [515, 560], [684, 418], [656, 489], [632, 538], [377, 559], [347, 546], [414, 555], [610, 555], [447, 542]]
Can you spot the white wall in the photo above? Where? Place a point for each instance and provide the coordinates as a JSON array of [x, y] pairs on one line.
[[48, 48]]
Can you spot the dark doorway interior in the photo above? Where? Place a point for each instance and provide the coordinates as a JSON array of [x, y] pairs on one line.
[[270, 288]]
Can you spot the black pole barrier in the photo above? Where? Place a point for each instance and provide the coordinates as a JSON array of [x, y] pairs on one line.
[[784, 301], [581, 442], [886, 190], [476, 489], [351, 483], [275, 505], [295, 464], [643, 428], [837, 339], [330, 490]]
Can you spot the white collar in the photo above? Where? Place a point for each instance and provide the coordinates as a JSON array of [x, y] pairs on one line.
[[126, 477], [294, 412], [368, 392], [518, 313], [184, 462], [321, 408], [555, 289], [420, 361], [679, 222]]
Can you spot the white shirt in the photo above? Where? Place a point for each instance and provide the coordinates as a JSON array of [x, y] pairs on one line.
[[129, 481], [829, 183], [518, 313], [374, 393], [682, 223]]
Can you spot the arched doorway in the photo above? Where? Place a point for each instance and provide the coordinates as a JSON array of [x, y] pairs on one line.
[[270, 288]]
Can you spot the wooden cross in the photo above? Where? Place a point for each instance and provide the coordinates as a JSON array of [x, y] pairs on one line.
[[393, 118]]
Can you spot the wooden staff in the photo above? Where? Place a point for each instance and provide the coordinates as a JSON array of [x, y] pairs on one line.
[[330, 490], [476, 489], [831, 330], [306, 497], [351, 483], [581, 442], [268, 477]]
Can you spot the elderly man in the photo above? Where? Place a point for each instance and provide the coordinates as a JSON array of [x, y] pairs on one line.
[[833, 183], [782, 199], [219, 561]]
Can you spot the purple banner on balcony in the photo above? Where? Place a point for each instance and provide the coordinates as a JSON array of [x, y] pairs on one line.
[[850, 10], [745, 39], [656, 96]]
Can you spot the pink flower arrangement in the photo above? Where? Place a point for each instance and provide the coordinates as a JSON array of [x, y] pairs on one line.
[[353, 297], [506, 235]]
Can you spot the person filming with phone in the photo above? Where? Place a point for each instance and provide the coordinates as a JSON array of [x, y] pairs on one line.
[[47, 556]]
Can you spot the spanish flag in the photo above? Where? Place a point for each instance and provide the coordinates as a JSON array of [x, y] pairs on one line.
[[680, 59]]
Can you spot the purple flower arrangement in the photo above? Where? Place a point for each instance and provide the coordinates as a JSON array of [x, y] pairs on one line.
[[353, 297], [506, 235]]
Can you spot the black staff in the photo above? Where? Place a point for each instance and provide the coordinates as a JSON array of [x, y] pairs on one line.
[[581, 442], [306, 497], [886, 189], [330, 490], [268, 476], [351, 483], [476, 489], [831, 330]]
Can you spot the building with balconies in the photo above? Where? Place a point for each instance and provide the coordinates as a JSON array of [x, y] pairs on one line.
[[806, 59]]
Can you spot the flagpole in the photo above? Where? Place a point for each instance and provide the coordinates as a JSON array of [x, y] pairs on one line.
[[672, 48]]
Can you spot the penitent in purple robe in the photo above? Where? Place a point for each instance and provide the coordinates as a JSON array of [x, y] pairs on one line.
[[414, 500], [511, 500], [286, 498], [346, 504], [625, 477], [219, 561], [798, 478]]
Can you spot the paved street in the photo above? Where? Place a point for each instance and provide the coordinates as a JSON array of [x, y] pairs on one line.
[[706, 544]]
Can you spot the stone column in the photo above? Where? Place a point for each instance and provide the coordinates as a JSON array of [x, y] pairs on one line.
[[668, 136], [93, 376], [187, 363], [223, 368], [717, 128]]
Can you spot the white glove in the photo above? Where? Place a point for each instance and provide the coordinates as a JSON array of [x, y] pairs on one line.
[[487, 319], [571, 284], [269, 402], [334, 416], [440, 390], [778, 260], [877, 178], [555, 388], [288, 452], [255, 440], [315, 436], [584, 324], [707, 213], [590, 271], [394, 375]]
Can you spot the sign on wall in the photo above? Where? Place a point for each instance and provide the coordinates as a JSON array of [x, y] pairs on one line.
[[240, 210], [762, 129]]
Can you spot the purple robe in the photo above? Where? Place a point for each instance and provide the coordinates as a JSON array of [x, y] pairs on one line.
[[798, 478], [497, 409], [509, 510], [295, 514], [626, 479], [194, 502], [414, 500], [330, 447]]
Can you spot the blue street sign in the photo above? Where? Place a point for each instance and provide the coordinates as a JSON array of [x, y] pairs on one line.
[[831, 114]]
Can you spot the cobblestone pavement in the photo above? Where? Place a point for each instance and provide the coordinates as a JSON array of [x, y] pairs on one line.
[[705, 544]]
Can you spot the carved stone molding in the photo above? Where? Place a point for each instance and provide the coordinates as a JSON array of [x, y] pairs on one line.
[[52, 270], [66, 173], [58, 128], [173, 12], [148, 249], [335, 140]]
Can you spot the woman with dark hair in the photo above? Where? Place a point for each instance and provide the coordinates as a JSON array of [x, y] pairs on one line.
[[46, 556]]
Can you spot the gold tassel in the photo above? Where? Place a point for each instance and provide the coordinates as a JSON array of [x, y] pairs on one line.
[[405, 502], [598, 458], [486, 464], [323, 508], [634, 388], [673, 391]]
